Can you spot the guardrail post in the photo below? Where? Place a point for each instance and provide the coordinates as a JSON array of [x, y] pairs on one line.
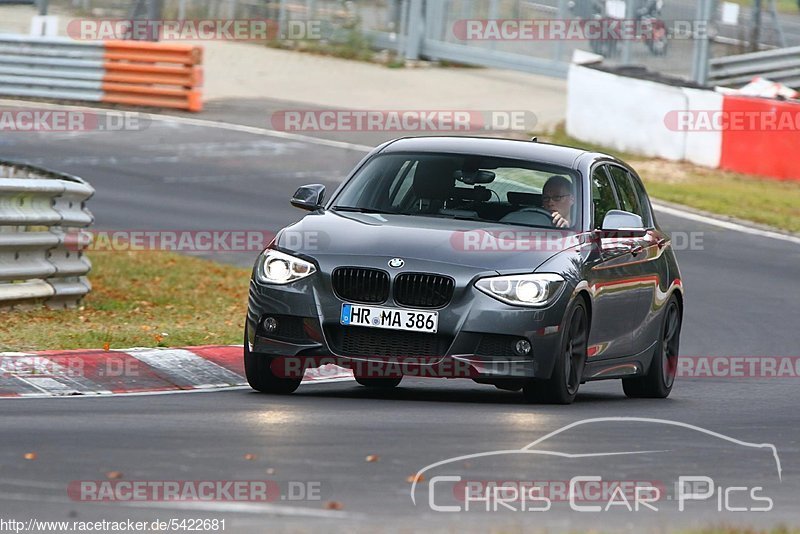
[[282, 19], [155, 8], [563, 14], [701, 51], [627, 42], [416, 30]]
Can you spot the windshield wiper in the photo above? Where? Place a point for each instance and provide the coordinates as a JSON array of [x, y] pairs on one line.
[[356, 209]]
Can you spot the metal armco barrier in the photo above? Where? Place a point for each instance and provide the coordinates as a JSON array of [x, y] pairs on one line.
[[779, 65], [134, 73], [42, 214]]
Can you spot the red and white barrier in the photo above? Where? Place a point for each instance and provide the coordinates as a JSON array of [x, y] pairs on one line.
[[738, 133], [766, 152], [140, 370]]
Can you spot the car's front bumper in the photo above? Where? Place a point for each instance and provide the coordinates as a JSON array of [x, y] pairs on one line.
[[475, 337]]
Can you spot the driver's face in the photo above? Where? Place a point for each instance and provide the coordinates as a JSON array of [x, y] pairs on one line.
[[558, 199]]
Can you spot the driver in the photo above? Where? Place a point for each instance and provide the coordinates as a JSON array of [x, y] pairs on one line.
[[557, 198]]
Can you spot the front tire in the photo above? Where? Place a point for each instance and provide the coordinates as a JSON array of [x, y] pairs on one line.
[[258, 370], [563, 384], [658, 382]]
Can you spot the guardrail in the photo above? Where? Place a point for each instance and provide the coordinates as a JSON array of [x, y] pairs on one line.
[[42, 214], [779, 65], [138, 73]]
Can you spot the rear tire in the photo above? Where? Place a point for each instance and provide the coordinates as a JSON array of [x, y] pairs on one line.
[[658, 382], [258, 370], [380, 383], [563, 384]]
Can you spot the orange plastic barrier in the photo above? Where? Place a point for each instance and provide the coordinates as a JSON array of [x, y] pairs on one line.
[[765, 140], [143, 73]]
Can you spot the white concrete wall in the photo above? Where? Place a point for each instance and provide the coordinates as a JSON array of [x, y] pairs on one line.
[[703, 147], [637, 116], [623, 113]]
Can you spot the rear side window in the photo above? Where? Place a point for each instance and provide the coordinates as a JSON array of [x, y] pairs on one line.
[[603, 199], [627, 195]]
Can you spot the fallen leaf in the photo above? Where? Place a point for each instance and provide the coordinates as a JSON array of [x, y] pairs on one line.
[[158, 337], [249, 456], [30, 455], [114, 475], [372, 458], [270, 470], [333, 505], [106, 346], [415, 478]]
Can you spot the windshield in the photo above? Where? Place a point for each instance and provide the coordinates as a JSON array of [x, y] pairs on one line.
[[480, 188]]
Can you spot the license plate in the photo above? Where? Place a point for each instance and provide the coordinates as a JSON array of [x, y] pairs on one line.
[[415, 321]]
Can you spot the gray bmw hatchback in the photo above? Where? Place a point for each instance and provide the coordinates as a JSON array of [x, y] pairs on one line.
[[523, 265]]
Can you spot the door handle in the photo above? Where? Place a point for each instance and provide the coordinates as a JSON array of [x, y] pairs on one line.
[[635, 248]]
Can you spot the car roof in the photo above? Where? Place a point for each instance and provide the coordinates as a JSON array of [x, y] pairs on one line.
[[507, 148]]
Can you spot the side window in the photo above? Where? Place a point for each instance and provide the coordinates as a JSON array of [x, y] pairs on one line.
[[603, 198], [627, 195], [643, 201]]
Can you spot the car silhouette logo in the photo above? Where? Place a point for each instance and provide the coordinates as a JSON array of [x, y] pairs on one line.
[[396, 263]]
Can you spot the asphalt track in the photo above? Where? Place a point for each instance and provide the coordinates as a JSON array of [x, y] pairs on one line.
[[742, 300]]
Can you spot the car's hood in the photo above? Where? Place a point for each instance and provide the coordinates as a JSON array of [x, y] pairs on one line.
[[473, 244]]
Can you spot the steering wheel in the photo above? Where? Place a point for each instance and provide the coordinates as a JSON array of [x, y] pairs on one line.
[[530, 215]]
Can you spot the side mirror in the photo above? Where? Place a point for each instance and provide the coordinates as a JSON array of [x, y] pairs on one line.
[[624, 222], [309, 197]]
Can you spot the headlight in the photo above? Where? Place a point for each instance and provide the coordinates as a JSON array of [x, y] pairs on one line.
[[275, 267], [522, 289]]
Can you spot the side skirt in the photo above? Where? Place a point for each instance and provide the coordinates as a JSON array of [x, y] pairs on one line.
[[625, 367]]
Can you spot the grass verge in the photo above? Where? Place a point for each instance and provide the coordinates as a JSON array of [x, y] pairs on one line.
[[762, 200], [144, 299]]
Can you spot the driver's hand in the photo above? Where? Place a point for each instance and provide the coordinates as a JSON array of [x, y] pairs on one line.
[[559, 221]]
